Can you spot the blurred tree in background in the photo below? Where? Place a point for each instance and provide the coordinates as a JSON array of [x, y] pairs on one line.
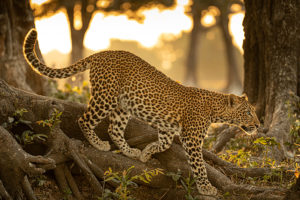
[[87, 8], [224, 10]]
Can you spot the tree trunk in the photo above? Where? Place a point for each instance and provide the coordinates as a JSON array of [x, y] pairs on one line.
[[191, 72], [271, 52], [16, 20]]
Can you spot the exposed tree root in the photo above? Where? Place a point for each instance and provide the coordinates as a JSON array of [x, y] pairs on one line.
[[62, 146], [224, 137], [3, 193], [63, 149], [15, 164]]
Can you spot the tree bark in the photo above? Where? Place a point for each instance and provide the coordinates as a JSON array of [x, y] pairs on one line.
[[271, 52], [15, 20]]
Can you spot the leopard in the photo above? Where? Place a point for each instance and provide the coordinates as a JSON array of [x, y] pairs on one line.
[[124, 86]]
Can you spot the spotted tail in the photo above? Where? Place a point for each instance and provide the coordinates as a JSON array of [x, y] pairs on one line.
[[37, 65]]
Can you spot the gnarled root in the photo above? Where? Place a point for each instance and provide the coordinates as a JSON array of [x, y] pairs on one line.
[[15, 165]]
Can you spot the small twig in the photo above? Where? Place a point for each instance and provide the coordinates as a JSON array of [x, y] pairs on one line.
[[28, 189]]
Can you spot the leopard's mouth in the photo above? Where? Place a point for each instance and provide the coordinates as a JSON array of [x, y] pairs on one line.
[[248, 129]]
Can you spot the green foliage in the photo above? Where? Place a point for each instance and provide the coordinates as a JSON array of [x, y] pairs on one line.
[[240, 157], [39, 180], [187, 183], [294, 116], [266, 141], [125, 181], [76, 94], [16, 119], [52, 121], [67, 192], [175, 176], [26, 136]]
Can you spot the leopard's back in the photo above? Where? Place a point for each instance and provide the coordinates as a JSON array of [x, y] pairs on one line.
[[142, 90]]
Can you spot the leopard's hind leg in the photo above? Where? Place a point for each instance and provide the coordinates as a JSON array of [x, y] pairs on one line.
[[97, 110], [118, 121]]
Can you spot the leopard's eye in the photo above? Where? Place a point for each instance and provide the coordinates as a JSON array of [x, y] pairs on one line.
[[249, 113]]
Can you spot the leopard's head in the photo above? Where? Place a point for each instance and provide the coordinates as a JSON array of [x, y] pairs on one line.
[[241, 113]]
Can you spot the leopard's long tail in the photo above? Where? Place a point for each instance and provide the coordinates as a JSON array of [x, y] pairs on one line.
[[37, 65]]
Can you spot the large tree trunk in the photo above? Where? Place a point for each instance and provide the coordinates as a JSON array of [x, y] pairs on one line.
[[15, 20], [272, 63]]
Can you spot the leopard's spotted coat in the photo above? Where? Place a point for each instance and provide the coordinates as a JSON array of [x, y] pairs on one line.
[[124, 85]]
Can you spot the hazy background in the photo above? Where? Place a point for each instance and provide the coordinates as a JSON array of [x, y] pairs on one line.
[[162, 39]]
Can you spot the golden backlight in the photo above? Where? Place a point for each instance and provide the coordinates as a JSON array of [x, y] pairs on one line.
[[236, 29], [54, 33]]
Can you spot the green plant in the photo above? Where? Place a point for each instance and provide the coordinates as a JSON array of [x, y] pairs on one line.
[[39, 180], [125, 181], [25, 134], [16, 118], [28, 137], [52, 121], [188, 184], [265, 143], [294, 117], [175, 176], [240, 157], [79, 94], [67, 192]]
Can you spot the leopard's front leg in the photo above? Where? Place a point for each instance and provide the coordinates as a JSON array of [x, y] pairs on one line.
[[193, 148]]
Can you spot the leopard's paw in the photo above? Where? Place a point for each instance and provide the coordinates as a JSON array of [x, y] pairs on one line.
[[133, 153], [207, 190], [145, 156], [102, 145]]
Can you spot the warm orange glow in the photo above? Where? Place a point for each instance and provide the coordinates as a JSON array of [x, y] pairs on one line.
[[77, 17], [38, 2], [236, 29], [157, 23], [54, 33], [209, 16], [208, 20], [236, 8]]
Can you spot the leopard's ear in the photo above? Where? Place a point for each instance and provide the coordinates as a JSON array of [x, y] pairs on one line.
[[232, 100], [245, 96]]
